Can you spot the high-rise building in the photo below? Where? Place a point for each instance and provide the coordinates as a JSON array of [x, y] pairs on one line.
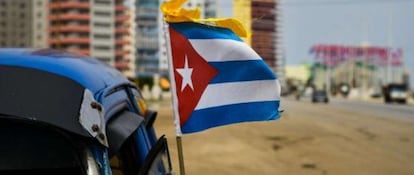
[[280, 49], [264, 30], [262, 18], [210, 9], [99, 28], [151, 43], [195, 3], [125, 36], [23, 23], [147, 37]]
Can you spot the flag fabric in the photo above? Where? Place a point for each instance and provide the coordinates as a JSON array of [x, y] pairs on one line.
[[218, 79]]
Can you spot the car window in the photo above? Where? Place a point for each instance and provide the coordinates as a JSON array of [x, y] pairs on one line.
[[125, 161], [39, 149], [158, 160]]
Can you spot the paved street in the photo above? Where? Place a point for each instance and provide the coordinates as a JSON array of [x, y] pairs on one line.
[[378, 108], [339, 138]]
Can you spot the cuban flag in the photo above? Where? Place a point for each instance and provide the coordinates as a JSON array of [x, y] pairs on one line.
[[218, 79]]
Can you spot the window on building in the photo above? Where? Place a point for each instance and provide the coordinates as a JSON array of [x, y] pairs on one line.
[[104, 59], [102, 2], [100, 47], [101, 36], [22, 5], [103, 14], [101, 24]]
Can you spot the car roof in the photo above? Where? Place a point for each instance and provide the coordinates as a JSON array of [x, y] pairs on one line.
[[57, 88], [87, 71]]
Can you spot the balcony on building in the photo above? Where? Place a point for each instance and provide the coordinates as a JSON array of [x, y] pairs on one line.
[[143, 15], [70, 17], [263, 3], [122, 18], [121, 53], [148, 58], [122, 30], [79, 51], [124, 59], [122, 41], [58, 5], [122, 65], [266, 13], [147, 42], [69, 40], [147, 30], [265, 25], [69, 28], [121, 8]]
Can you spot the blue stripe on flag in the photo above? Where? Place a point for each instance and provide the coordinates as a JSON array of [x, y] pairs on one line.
[[200, 31], [223, 115], [234, 71]]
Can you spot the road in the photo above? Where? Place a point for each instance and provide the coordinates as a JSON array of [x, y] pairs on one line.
[[377, 108], [340, 138]]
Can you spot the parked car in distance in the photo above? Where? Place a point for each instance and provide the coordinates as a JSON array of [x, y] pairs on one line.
[[395, 93], [320, 96]]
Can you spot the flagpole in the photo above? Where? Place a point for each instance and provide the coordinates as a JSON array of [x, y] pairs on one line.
[[174, 101], [180, 155]]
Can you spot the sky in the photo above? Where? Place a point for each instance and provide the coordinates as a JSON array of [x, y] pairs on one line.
[[347, 22]]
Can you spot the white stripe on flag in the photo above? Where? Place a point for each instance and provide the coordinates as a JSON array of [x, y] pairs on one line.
[[239, 92], [215, 50]]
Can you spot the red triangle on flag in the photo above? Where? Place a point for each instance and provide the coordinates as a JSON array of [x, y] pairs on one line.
[[188, 90]]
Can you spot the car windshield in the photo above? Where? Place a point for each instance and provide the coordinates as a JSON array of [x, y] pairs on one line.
[[399, 89]]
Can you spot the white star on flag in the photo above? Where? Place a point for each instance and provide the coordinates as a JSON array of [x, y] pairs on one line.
[[186, 73]]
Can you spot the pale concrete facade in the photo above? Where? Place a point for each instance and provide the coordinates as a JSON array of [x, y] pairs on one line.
[[23, 23]]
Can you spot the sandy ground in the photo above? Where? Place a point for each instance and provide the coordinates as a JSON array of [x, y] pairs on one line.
[[309, 139]]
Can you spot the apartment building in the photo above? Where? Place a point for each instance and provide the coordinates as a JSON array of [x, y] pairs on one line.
[[262, 18], [147, 37], [99, 28], [264, 29], [210, 8], [23, 23]]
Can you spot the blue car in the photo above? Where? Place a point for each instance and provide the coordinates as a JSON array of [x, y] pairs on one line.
[[68, 114]]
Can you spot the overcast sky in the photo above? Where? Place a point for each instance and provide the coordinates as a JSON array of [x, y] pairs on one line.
[[348, 22]]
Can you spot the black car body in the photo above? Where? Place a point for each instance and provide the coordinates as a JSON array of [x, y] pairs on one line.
[[320, 96]]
